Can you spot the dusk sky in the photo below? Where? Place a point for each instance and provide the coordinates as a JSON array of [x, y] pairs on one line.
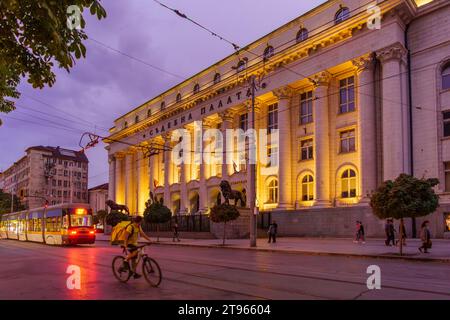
[[108, 84]]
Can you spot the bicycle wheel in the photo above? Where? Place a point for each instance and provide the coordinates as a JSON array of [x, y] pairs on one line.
[[119, 272], [151, 271]]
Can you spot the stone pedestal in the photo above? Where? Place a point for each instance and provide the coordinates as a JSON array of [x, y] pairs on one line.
[[237, 229]]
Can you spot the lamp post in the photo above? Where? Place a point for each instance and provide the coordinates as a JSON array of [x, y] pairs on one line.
[[252, 167]]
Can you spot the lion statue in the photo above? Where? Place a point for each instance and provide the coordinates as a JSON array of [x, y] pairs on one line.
[[117, 207], [228, 193]]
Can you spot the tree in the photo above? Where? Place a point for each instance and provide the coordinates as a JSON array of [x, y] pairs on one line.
[[34, 35], [405, 197], [115, 217], [224, 213], [156, 212], [5, 203], [100, 216]]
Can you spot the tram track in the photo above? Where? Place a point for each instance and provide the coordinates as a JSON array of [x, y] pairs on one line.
[[264, 273]]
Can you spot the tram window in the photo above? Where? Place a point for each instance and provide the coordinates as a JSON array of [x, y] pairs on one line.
[[65, 222], [80, 220], [53, 224]]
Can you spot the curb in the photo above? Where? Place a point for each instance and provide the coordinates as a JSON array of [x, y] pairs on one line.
[[353, 255]]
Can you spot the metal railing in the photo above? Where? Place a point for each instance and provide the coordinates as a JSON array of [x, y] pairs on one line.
[[186, 223], [264, 220]]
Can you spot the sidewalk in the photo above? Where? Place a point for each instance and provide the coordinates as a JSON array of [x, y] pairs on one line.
[[373, 248]]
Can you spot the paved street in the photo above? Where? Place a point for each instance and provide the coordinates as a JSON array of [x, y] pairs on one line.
[[34, 271]]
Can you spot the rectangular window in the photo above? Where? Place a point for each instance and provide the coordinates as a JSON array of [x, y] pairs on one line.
[[446, 116], [66, 173], [54, 183], [65, 184], [306, 149], [272, 117], [347, 95], [347, 141], [272, 156], [59, 183], [243, 121], [306, 106], [447, 176]]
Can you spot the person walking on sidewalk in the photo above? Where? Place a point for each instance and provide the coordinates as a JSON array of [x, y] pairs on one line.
[[361, 233], [357, 232], [425, 236], [273, 229], [390, 232], [175, 233]]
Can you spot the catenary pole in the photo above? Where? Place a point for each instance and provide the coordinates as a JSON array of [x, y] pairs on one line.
[[252, 168]]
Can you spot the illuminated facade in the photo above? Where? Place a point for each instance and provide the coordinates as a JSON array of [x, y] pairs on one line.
[[338, 90]]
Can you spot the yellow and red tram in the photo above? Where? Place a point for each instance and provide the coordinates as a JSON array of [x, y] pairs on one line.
[[54, 225]]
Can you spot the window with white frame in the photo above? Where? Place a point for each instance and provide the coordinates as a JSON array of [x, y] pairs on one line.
[[347, 95], [273, 191], [302, 35], [447, 176], [446, 77], [272, 117], [306, 149], [348, 184], [178, 98], [446, 118], [347, 141], [243, 121], [307, 188], [306, 107]]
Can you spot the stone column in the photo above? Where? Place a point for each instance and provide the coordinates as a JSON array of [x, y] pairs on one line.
[[227, 123], [142, 181], [366, 146], [258, 106], [184, 175], [284, 95], [167, 170], [119, 188], [130, 187], [394, 128], [112, 178], [203, 190], [321, 139]]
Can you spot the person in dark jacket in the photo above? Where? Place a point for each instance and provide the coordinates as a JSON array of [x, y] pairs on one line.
[[389, 229], [273, 229], [175, 233], [425, 236]]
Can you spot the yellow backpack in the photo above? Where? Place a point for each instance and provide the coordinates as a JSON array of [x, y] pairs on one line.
[[118, 232]]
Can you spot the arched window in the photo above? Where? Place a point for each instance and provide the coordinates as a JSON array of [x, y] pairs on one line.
[[302, 35], [136, 119], [216, 78], [273, 191], [178, 98], [125, 124], [446, 77], [348, 184], [196, 88], [163, 105], [307, 188], [149, 113], [268, 53], [341, 15], [241, 66]]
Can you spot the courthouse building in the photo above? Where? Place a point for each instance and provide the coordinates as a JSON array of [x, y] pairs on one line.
[[354, 104]]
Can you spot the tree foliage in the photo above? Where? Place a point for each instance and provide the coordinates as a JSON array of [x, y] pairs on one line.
[[223, 213], [115, 217], [5, 203], [156, 212], [406, 196], [34, 36]]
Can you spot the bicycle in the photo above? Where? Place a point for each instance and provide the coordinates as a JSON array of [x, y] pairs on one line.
[[150, 268]]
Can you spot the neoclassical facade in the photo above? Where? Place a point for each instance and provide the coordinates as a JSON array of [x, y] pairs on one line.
[[354, 105]]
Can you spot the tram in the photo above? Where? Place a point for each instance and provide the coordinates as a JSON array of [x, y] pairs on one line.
[[63, 224]]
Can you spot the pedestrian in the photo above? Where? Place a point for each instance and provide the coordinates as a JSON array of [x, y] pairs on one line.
[[361, 233], [390, 232], [357, 232], [401, 234], [425, 236], [273, 229], [175, 233]]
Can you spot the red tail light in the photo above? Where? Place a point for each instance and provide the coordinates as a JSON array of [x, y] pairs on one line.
[[91, 232], [73, 232]]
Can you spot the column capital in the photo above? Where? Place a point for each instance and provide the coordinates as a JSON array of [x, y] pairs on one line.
[[207, 123], [363, 63], [166, 136], [283, 92], [119, 155], [395, 51], [258, 105], [226, 115], [321, 79]]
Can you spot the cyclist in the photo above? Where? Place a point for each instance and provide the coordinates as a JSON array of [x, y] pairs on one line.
[[131, 242]]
